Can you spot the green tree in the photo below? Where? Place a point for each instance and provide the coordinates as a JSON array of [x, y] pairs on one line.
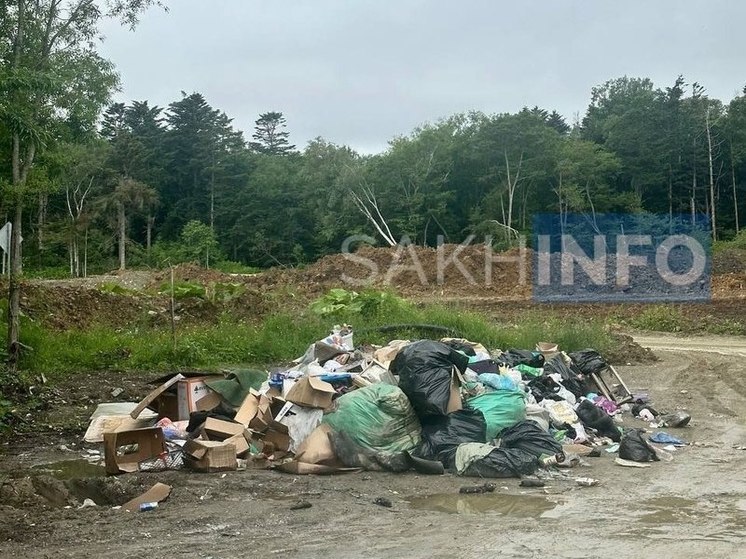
[[270, 135], [199, 243], [51, 71]]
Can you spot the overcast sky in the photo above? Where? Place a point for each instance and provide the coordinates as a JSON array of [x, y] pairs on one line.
[[359, 72]]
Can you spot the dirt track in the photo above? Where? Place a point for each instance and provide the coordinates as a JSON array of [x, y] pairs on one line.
[[693, 506]]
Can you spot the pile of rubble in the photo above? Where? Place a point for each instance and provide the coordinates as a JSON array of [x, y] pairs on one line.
[[432, 406]]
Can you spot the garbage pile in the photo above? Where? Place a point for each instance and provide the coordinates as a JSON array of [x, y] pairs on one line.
[[433, 406]]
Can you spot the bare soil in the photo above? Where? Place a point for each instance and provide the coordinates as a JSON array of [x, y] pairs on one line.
[[690, 507]]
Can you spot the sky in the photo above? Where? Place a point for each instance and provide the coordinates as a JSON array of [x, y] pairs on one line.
[[360, 72]]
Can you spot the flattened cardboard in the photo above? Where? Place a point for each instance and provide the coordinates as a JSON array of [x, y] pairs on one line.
[[454, 402], [210, 456], [145, 402], [159, 492], [311, 392], [114, 416], [150, 444]]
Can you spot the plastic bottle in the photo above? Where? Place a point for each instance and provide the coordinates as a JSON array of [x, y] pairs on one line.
[[144, 507]]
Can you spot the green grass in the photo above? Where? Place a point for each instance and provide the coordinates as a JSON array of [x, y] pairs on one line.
[[661, 318], [279, 337]]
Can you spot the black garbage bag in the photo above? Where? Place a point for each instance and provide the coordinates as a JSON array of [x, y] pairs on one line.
[[589, 361], [485, 366], [503, 462], [514, 357], [637, 408], [572, 378], [544, 388], [442, 435], [634, 447], [424, 370], [529, 436], [594, 417], [463, 347]]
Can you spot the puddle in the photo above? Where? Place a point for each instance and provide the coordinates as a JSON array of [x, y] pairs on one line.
[[70, 469], [523, 506]]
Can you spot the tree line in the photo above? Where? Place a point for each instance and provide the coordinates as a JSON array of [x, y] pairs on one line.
[[124, 192]]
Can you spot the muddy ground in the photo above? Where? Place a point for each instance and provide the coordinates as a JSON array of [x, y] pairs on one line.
[[690, 507]]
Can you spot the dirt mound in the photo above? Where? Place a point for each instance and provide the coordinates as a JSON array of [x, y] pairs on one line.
[[454, 269], [65, 307], [191, 272], [729, 261], [729, 286]]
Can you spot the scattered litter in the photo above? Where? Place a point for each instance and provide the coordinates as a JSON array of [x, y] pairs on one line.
[[159, 492], [587, 482], [630, 463], [87, 503], [665, 438], [531, 482], [383, 502]]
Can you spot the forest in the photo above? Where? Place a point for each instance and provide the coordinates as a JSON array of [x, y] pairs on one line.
[[149, 185], [107, 185]]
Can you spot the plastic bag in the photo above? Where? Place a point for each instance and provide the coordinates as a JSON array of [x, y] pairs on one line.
[[441, 436], [501, 409], [588, 361], [571, 379], [561, 412], [497, 382], [634, 447], [425, 369], [515, 357], [528, 436], [378, 417], [594, 417], [481, 460]]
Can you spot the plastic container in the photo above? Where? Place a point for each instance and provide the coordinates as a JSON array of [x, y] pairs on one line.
[[144, 507]]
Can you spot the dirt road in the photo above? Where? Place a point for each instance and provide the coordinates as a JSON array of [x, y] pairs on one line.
[[691, 507], [723, 345]]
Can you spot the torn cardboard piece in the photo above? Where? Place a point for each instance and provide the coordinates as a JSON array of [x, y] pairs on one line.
[[156, 494], [144, 444], [311, 392], [145, 402]]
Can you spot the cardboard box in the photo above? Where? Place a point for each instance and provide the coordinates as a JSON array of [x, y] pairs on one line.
[[192, 394], [210, 456], [228, 431], [179, 396], [311, 392], [149, 443]]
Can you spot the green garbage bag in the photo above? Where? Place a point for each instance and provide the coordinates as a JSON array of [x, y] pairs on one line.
[[501, 409], [378, 417], [527, 371]]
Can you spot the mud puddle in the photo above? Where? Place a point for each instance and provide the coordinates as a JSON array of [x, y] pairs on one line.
[[521, 506]]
